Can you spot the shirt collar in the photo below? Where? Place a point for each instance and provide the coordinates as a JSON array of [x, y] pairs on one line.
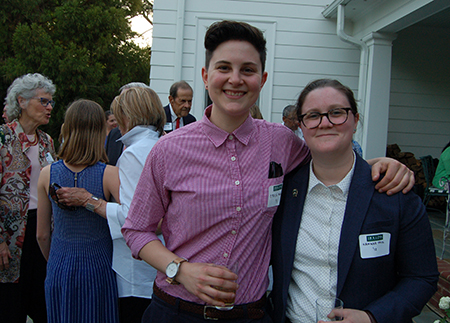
[[174, 116], [137, 133], [343, 185], [218, 136]]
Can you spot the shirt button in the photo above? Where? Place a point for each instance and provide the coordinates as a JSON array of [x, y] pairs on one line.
[[233, 158], [225, 255], [237, 182], [238, 209], [230, 137], [233, 232]]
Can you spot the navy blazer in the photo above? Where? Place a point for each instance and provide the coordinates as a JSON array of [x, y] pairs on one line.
[[186, 120], [113, 147], [394, 287]]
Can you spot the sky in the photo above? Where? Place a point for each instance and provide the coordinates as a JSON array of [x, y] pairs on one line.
[[144, 28]]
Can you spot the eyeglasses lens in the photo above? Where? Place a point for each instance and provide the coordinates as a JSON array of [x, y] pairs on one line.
[[335, 116], [45, 102]]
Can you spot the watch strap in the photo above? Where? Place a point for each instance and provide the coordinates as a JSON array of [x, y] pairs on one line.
[[178, 262], [91, 207]]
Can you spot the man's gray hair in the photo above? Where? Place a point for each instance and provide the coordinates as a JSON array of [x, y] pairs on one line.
[[133, 84], [288, 110]]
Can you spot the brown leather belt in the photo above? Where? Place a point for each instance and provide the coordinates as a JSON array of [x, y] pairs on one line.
[[253, 310]]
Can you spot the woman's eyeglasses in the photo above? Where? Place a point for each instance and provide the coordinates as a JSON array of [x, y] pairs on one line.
[[45, 102], [336, 117], [52, 190]]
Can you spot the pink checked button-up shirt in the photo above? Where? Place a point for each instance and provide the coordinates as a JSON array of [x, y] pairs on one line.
[[212, 188]]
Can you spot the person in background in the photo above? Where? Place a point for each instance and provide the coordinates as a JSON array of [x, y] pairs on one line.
[[290, 120], [255, 112], [4, 116], [335, 235], [111, 121], [141, 119], [180, 102], [24, 150], [216, 184], [80, 285], [357, 147], [443, 167]]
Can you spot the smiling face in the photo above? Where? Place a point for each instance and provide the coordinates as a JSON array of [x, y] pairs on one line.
[[234, 79], [328, 140], [111, 123], [34, 112]]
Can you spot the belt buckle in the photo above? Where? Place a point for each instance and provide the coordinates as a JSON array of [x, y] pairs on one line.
[[205, 315]]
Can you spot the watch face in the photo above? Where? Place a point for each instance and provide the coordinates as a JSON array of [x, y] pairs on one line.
[[90, 207], [171, 270]]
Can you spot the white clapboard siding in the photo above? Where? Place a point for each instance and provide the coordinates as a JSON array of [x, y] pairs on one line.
[[419, 117], [303, 44]]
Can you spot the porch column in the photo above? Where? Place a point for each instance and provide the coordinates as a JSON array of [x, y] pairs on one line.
[[376, 104]]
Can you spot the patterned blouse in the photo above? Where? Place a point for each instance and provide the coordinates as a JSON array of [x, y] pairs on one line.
[[15, 172]]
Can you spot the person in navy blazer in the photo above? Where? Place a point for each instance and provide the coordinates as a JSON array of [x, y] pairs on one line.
[[392, 287], [180, 98], [113, 147]]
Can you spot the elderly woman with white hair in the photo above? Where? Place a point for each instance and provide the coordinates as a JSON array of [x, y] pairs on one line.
[[24, 151]]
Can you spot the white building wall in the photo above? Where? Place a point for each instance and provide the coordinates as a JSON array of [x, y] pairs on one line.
[[419, 117], [302, 46]]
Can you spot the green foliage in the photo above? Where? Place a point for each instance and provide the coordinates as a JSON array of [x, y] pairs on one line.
[[81, 45]]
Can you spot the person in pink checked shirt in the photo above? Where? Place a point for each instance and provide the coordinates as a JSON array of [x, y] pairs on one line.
[[217, 183]]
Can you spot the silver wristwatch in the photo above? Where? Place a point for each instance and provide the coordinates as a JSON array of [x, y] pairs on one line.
[[91, 207], [172, 270]]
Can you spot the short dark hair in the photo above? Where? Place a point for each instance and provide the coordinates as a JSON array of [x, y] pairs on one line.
[[173, 92], [108, 113], [322, 83], [222, 31]]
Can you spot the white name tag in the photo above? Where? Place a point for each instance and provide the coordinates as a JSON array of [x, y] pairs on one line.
[[49, 158], [274, 195], [168, 126], [374, 245]]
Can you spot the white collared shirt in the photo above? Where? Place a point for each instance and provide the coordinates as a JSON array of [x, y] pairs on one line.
[[298, 132], [174, 118], [134, 277], [314, 272]]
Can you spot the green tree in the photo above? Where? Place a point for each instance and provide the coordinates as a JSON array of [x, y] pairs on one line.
[[81, 45]]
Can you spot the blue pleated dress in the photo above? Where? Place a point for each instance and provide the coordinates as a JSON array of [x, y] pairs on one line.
[[80, 284]]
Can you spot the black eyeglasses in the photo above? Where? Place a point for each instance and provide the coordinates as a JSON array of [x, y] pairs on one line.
[[45, 102], [336, 117], [52, 190]]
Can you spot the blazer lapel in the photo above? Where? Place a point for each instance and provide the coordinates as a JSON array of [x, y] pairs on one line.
[[358, 201], [296, 194]]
